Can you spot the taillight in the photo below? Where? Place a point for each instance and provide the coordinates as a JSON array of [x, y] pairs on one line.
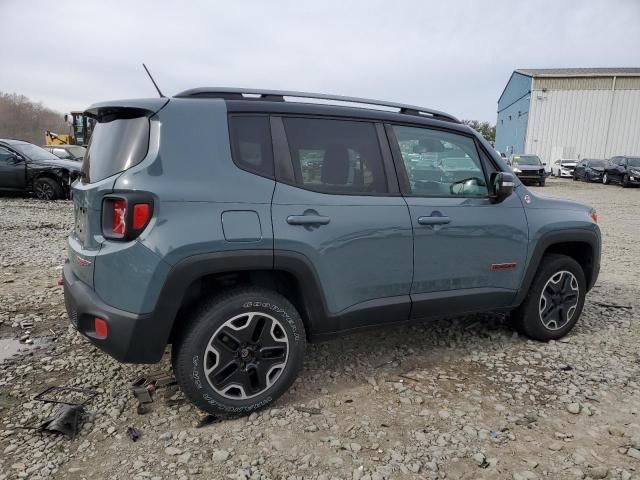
[[126, 215], [118, 216]]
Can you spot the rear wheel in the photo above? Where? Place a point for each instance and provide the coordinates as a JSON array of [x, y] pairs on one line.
[[605, 179], [47, 189], [555, 300], [241, 352]]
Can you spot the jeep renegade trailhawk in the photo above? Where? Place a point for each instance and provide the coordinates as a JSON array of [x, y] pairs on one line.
[[236, 225]]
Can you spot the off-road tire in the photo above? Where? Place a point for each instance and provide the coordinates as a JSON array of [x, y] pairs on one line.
[[527, 319], [209, 323], [46, 188]]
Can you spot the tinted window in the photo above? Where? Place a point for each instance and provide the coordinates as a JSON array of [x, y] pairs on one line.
[[335, 156], [634, 162], [251, 144], [440, 163], [596, 163], [115, 146], [5, 155]]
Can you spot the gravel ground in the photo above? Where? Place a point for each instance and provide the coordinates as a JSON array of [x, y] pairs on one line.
[[465, 398]]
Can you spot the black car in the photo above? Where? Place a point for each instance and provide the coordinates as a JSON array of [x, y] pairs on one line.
[[589, 170], [25, 167], [529, 168], [623, 170], [67, 152]]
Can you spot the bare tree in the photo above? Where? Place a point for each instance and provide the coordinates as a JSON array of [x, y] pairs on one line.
[[22, 119]]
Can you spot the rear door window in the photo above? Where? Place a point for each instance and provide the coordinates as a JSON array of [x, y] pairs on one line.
[[336, 156], [115, 146], [251, 147]]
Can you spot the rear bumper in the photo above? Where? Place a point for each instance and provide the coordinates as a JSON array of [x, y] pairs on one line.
[[83, 306]]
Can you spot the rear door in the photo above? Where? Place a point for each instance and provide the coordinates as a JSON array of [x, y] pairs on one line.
[[337, 204], [466, 248]]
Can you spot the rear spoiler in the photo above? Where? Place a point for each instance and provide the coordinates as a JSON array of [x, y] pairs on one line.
[[107, 111]]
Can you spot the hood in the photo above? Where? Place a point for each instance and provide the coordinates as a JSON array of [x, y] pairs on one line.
[[539, 200], [68, 164], [597, 169]]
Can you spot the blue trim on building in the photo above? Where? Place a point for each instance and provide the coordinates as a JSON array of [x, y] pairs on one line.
[[513, 114]]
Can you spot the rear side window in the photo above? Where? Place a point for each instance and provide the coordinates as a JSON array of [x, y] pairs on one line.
[[335, 156], [251, 144], [115, 146]]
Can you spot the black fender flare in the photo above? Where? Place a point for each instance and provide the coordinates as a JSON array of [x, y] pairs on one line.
[[195, 267], [549, 239]]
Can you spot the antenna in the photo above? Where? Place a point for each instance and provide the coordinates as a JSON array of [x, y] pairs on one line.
[[154, 82]]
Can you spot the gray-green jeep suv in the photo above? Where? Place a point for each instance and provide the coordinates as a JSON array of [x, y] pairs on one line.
[[238, 225]]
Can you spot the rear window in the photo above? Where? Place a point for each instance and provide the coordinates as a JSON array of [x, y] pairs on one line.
[[115, 146]]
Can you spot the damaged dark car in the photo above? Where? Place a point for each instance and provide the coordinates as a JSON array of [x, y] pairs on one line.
[[28, 168]]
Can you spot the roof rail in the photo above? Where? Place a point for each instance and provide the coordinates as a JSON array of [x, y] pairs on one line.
[[279, 96]]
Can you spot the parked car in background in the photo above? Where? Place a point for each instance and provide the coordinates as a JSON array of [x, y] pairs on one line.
[[589, 170], [529, 168], [301, 222], [623, 170], [25, 167], [563, 168], [67, 152]]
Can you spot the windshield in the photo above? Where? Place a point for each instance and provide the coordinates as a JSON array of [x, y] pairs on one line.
[[634, 162], [527, 160], [34, 152], [596, 163], [567, 162]]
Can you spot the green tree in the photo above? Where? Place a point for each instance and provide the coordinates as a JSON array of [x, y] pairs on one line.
[[485, 129]]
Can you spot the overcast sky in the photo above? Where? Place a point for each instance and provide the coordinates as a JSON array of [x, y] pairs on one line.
[[450, 55]]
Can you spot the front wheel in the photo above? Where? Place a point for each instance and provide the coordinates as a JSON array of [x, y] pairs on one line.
[[541, 183], [47, 189], [625, 181], [605, 179], [241, 352], [555, 299]]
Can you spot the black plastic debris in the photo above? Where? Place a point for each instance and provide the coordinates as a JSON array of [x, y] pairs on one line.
[[134, 433], [65, 420]]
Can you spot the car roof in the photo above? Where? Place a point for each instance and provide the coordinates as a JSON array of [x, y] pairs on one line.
[[11, 141]]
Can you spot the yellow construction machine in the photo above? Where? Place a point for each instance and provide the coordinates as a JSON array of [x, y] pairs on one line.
[[80, 127]]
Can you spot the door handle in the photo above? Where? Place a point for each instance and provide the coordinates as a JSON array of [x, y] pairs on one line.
[[307, 220], [433, 220]]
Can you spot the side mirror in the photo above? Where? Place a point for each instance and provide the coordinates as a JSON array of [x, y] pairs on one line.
[[501, 186]]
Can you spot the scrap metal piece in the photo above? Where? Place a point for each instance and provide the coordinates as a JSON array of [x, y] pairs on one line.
[[66, 395]]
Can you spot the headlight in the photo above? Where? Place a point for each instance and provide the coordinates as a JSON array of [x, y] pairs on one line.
[[634, 172], [516, 170]]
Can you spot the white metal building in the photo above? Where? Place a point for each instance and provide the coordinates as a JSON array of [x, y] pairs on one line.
[[570, 113]]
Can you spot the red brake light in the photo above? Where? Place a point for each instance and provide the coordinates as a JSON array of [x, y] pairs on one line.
[[119, 211], [100, 327], [141, 212]]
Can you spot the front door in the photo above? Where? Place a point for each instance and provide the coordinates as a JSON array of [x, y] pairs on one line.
[[338, 212], [469, 253], [12, 170]]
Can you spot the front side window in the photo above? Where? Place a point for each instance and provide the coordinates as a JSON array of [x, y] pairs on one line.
[[5, 155], [440, 163], [335, 156], [251, 143]]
